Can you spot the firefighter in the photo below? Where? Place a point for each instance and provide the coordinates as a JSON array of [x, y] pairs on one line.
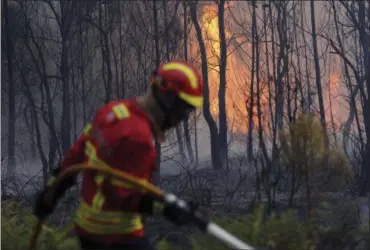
[[122, 136]]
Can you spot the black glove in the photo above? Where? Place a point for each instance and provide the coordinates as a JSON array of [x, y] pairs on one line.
[[175, 210], [180, 214], [41, 209]]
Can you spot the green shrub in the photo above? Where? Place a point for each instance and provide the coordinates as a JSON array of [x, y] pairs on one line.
[[164, 245], [286, 232], [17, 227], [338, 226], [282, 231], [247, 228]]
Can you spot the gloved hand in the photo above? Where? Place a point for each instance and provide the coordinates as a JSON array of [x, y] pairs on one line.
[[175, 210], [179, 214], [42, 207]]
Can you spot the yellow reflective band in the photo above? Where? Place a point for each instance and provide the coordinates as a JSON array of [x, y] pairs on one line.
[[98, 200], [187, 71], [99, 179], [121, 111], [196, 101], [51, 181], [90, 152], [95, 228], [103, 215], [87, 129], [107, 222]]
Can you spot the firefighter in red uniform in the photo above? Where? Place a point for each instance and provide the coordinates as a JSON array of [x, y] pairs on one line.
[[121, 136]]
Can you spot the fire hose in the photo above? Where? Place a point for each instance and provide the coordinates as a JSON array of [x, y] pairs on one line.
[[207, 226]]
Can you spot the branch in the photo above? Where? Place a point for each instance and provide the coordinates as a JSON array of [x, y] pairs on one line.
[[343, 56]]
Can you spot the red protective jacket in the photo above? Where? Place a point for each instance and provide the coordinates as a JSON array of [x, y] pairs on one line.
[[120, 137]]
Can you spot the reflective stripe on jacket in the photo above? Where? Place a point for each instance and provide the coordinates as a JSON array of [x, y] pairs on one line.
[[106, 222]]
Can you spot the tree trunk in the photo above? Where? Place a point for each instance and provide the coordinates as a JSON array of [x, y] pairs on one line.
[[318, 79], [11, 168], [32, 134], [105, 52], [74, 100], [365, 42], [157, 173], [121, 55], [222, 136], [64, 74], [186, 122], [258, 89], [251, 124], [274, 81], [310, 94], [268, 73], [82, 72], [282, 65], [215, 148], [166, 38], [116, 64]]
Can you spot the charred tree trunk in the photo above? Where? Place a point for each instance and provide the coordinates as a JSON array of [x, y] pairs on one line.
[[222, 119], [186, 122], [31, 128], [74, 99], [310, 93], [250, 108], [11, 95], [178, 128], [274, 81], [65, 22], [82, 70], [156, 175], [121, 57], [215, 148], [268, 73], [105, 52], [258, 90], [116, 64], [318, 77], [365, 42], [282, 67]]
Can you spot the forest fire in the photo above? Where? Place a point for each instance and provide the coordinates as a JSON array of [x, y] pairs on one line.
[[237, 76]]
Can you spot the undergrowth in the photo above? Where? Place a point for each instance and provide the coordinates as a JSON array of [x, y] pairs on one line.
[[283, 232]]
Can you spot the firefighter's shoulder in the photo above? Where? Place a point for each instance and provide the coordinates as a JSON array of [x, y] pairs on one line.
[[115, 111], [132, 123]]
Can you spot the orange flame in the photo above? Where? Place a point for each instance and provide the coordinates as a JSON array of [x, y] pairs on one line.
[[332, 94], [237, 75]]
